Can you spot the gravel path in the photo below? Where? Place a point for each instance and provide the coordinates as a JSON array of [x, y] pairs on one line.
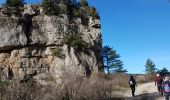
[[143, 89], [147, 91]]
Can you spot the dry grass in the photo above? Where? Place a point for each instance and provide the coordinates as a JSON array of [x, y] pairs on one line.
[[145, 78], [73, 87], [120, 80], [141, 79]]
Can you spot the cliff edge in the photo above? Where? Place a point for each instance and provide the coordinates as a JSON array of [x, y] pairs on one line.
[[44, 46]]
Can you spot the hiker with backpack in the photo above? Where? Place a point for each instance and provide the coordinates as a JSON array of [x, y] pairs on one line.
[[158, 82], [166, 88], [132, 84]]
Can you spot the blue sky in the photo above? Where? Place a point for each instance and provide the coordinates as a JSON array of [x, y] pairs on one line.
[[137, 29]]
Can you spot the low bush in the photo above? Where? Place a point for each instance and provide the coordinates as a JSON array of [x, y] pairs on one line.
[[71, 8], [75, 41], [145, 78], [80, 88], [141, 79], [72, 87], [93, 13], [50, 8], [120, 80], [4, 83], [57, 52], [150, 77], [14, 3]]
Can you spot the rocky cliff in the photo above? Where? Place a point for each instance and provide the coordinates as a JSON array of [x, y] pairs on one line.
[[27, 47]]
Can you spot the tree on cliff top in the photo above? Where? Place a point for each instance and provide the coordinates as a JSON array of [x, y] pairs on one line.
[[83, 3], [50, 7], [73, 8], [14, 3]]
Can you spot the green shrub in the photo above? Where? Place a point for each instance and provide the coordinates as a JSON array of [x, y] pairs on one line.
[[7, 11], [63, 2], [57, 52], [75, 41], [93, 13], [70, 7], [77, 13], [3, 87], [4, 83], [62, 9], [14, 3], [13, 7], [49, 7], [83, 3]]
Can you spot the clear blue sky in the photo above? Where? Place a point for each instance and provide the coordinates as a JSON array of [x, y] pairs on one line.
[[137, 29]]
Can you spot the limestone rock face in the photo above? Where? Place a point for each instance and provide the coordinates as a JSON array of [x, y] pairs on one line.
[[26, 48]]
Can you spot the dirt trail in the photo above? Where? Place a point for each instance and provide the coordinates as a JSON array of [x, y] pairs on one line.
[[147, 91]]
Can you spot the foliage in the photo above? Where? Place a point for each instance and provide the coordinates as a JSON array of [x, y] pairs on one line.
[[18, 90], [13, 7], [163, 72], [111, 60], [4, 83], [77, 13], [14, 3], [63, 2], [150, 67], [75, 41], [83, 3], [73, 87], [49, 7], [93, 13], [57, 52], [62, 9], [70, 7], [119, 68]]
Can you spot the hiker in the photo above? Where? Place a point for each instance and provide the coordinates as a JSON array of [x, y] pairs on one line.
[[166, 88], [132, 84], [158, 82]]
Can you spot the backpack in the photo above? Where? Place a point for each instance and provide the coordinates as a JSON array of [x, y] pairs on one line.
[[166, 87]]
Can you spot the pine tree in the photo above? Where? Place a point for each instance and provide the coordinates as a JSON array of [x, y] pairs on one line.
[[83, 3], [14, 3], [163, 72], [111, 60], [150, 67], [119, 67], [49, 7]]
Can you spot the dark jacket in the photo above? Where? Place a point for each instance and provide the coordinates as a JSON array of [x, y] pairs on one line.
[[132, 82], [158, 80]]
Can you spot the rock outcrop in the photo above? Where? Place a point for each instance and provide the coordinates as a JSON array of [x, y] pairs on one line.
[[26, 47]]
